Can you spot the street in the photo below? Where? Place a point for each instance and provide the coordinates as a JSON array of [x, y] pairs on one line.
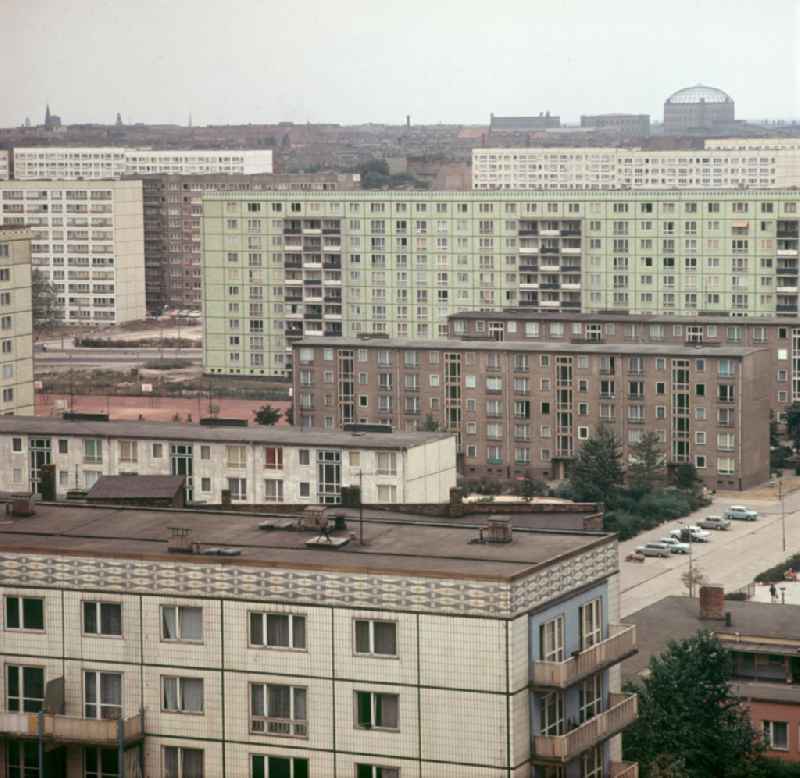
[[110, 358], [732, 558]]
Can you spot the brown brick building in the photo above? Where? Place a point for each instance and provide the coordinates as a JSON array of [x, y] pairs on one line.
[[781, 337], [525, 407]]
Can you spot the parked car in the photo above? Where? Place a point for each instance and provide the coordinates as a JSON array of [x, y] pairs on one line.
[[675, 545], [691, 534], [654, 549], [714, 522], [741, 512]]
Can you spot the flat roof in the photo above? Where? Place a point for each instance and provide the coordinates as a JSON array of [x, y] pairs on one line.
[[677, 618], [135, 486], [155, 430], [402, 548], [633, 318], [637, 349]]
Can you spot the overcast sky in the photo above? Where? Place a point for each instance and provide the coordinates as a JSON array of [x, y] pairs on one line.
[[352, 61]]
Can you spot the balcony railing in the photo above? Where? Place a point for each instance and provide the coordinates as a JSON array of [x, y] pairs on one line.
[[72, 729], [623, 770], [622, 711]]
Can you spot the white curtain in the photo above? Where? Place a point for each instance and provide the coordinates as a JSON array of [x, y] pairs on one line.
[[192, 695], [257, 699], [169, 627], [388, 713], [110, 619], [385, 638], [170, 762], [299, 631], [300, 704], [191, 623], [278, 701], [170, 694], [192, 763]]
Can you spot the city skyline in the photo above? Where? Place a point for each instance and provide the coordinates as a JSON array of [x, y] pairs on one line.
[[354, 68]]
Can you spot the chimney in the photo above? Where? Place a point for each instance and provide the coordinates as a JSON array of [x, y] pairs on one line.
[[712, 602]]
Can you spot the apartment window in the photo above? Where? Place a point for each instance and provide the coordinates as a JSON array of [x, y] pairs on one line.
[[592, 762], [25, 613], [376, 710], [273, 490], [278, 710], [726, 465], [24, 689], [387, 493], [304, 456], [273, 458], [128, 451], [182, 762], [551, 713], [181, 695], [375, 638], [92, 451], [591, 625], [386, 462], [102, 695], [776, 733], [235, 456], [376, 771], [551, 640], [158, 450], [181, 623], [237, 488], [278, 767], [102, 618], [98, 763], [278, 630], [590, 696]]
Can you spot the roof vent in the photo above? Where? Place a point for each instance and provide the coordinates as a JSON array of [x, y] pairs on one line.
[[221, 551], [315, 518], [497, 530], [180, 541]]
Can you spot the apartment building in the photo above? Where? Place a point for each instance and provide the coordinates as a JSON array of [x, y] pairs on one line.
[[254, 465], [16, 322], [5, 164], [221, 647], [627, 125], [780, 336], [717, 167], [764, 641], [524, 408], [88, 241], [103, 162], [280, 266], [172, 211]]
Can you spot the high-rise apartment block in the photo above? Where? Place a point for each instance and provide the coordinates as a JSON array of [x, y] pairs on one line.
[[5, 164], [716, 167], [280, 266], [88, 241], [16, 322], [242, 648], [172, 211], [92, 162], [524, 408]]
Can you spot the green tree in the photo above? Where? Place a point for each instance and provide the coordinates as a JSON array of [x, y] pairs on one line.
[[596, 473], [647, 463], [44, 301], [685, 476], [267, 415], [793, 423], [430, 424], [688, 716]]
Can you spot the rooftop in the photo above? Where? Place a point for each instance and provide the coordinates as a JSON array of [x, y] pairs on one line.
[[546, 346], [397, 547], [115, 487], [676, 618], [154, 430], [699, 94]]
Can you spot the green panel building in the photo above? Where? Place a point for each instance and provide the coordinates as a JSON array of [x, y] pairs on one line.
[[282, 265]]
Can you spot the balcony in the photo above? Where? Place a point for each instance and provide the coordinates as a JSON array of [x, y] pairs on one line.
[[622, 711], [59, 729], [623, 770]]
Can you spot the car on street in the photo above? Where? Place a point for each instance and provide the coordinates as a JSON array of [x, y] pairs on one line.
[[691, 534], [675, 545], [741, 513], [654, 549], [714, 522]]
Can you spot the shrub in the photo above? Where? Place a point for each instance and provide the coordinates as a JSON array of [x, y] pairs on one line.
[[775, 573]]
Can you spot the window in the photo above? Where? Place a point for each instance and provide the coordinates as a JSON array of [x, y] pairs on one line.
[[590, 695], [182, 762], [278, 710], [374, 771], [181, 695], [551, 713], [102, 618], [387, 493], [278, 630], [237, 488], [24, 689], [63, 446], [386, 463], [591, 624], [592, 763], [92, 451], [375, 710], [235, 456], [279, 767], [726, 465], [205, 452], [376, 638], [305, 489], [273, 490], [102, 695], [551, 640], [776, 733], [25, 613], [16, 444], [304, 457], [273, 458], [99, 763], [158, 450], [182, 623], [128, 451]]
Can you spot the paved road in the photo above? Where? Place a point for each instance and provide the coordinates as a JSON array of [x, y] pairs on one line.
[[732, 558], [112, 357]]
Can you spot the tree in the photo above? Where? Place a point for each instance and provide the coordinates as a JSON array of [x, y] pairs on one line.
[[793, 422], [267, 415], [693, 581], [44, 301], [597, 473], [647, 463], [289, 415], [686, 476], [430, 425], [688, 717]]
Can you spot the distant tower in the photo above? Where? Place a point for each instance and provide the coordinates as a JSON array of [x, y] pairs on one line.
[[47, 116], [27, 121], [408, 121], [119, 119]]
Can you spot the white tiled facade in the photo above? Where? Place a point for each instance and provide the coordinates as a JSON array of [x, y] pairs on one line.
[[88, 240], [16, 325], [461, 685], [5, 171], [99, 162], [256, 471], [720, 167]]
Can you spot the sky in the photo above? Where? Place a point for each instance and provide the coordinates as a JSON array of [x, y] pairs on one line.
[[354, 61]]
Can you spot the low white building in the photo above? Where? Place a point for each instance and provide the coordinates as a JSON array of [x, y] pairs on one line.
[[421, 653], [93, 162], [255, 464], [5, 164], [87, 240]]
